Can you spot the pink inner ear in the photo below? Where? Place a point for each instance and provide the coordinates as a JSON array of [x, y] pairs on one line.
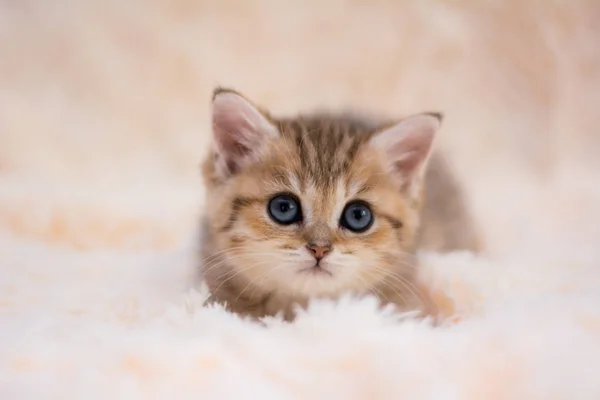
[[239, 129], [233, 132], [411, 152], [407, 145]]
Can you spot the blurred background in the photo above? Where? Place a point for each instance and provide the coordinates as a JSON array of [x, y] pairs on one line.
[[104, 105]]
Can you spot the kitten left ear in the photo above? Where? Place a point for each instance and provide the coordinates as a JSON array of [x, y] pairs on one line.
[[406, 147], [240, 131]]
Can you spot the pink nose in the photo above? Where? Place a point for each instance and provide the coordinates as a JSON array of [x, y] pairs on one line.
[[319, 249]]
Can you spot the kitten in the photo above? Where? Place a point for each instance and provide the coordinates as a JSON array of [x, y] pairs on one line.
[[320, 205]]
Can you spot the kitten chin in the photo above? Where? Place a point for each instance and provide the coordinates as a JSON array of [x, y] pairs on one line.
[[317, 206]]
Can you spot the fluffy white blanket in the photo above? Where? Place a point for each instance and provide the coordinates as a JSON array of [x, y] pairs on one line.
[[118, 323]]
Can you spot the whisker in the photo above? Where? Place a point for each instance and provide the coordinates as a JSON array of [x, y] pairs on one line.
[[239, 271], [264, 274], [270, 271], [378, 292], [222, 252], [407, 284], [247, 250], [395, 291], [220, 263], [371, 273], [238, 256]]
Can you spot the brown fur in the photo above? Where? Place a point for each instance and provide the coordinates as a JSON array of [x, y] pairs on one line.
[[325, 161]]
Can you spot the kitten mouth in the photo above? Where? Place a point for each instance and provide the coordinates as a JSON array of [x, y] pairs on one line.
[[316, 270]]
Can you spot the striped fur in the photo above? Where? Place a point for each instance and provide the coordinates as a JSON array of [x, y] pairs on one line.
[[252, 264]]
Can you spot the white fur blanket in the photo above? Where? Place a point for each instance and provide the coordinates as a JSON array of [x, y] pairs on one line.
[[113, 323], [102, 126]]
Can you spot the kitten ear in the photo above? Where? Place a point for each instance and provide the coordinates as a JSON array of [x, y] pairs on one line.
[[240, 131], [407, 146]]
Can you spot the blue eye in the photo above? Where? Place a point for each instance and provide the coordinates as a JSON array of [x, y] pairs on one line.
[[285, 209], [357, 217]]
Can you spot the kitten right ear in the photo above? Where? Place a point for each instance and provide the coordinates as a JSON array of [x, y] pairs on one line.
[[240, 131], [406, 147]]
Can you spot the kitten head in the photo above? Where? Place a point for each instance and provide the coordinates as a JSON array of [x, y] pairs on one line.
[[315, 205]]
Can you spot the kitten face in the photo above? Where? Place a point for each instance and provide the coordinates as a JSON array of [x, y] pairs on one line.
[[312, 206]]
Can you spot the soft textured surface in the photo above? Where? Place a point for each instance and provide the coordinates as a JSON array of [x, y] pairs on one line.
[[103, 121]]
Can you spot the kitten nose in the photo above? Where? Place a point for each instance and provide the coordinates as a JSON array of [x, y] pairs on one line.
[[319, 249]]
